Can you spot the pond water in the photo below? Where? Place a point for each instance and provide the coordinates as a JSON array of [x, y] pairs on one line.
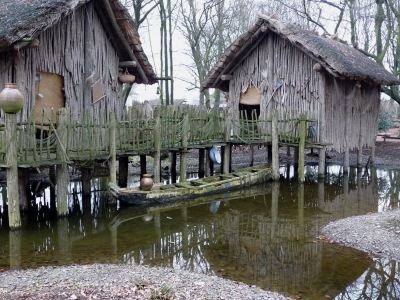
[[265, 235]]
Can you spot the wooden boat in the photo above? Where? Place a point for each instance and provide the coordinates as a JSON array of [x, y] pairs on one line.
[[193, 188], [126, 213]]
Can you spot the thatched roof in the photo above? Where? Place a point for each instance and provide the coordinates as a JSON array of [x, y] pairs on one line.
[[28, 18], [337, 58]]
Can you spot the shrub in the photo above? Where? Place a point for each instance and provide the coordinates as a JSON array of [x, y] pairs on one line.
[[385, 122]]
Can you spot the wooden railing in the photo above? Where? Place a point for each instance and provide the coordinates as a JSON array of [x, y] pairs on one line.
[[88, 138]]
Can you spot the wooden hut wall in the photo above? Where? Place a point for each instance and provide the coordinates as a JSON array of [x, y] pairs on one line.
[[352, 111], [281, 62], [61, 51]]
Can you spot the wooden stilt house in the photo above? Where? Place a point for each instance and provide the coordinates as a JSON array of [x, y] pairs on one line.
[[277, 65], [70, 53]]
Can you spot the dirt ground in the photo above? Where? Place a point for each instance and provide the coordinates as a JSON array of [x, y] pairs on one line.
[[386, 154]]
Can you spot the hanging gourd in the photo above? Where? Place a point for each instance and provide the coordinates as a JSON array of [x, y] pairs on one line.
[[11, 99], [126, 78]]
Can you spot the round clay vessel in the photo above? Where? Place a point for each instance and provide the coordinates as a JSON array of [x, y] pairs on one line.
[[11, 99], [146, 183], [127, 78]]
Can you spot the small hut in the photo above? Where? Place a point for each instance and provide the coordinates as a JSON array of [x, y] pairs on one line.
[[70, 53], [278, 65]]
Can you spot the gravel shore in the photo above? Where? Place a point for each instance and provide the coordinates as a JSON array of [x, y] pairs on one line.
[[122, 282], [377, 233]]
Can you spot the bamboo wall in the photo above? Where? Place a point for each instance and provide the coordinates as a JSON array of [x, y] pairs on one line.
[[277, 60], [61, 51], [352, 110], [281, 62]]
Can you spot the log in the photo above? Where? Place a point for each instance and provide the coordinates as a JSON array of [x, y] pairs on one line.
[[14, 217], [226, 77], [113, 150], [302, 140], [157, 151], [318, 68], [227, 151], [127, 64], [322, 120], [62, 174], [184, 151], [275, 147]]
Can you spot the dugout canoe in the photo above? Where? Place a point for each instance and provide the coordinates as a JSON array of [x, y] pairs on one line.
[[193, 188]]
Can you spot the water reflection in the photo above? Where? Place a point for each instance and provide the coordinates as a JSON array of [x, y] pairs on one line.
[[264, 235]]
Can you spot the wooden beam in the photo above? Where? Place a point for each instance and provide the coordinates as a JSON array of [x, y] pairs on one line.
[[226, 77], [127, 64], [120, 35]]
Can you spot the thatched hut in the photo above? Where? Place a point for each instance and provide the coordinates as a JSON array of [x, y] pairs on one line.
[[70, 53], [278, 65]]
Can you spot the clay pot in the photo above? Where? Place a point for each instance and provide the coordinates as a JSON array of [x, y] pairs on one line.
[[11, 99], [146, 183]]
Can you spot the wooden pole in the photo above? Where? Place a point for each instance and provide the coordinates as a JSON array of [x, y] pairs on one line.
[[211, 167], [15, 238], [230, 158], [14, 216], [373, 151], [157, 151], [275, 147], [269, 153], [173, 167], [226, 158], [360, 151], [208, 162], [184, 150], [302, 141], [346, 161], [274, 207], [113, 149], [86, 184], [123, 171], [296, 157], [300, 216], [143, 169], [251, 156], [62, 175], [322, 162], [288, 151], [202, 152], [23, 188], [322, 134]]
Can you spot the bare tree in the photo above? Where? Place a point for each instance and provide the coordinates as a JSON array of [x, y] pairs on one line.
[[141, 9]]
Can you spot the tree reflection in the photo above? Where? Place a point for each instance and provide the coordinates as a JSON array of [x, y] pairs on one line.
[[380, 281]]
